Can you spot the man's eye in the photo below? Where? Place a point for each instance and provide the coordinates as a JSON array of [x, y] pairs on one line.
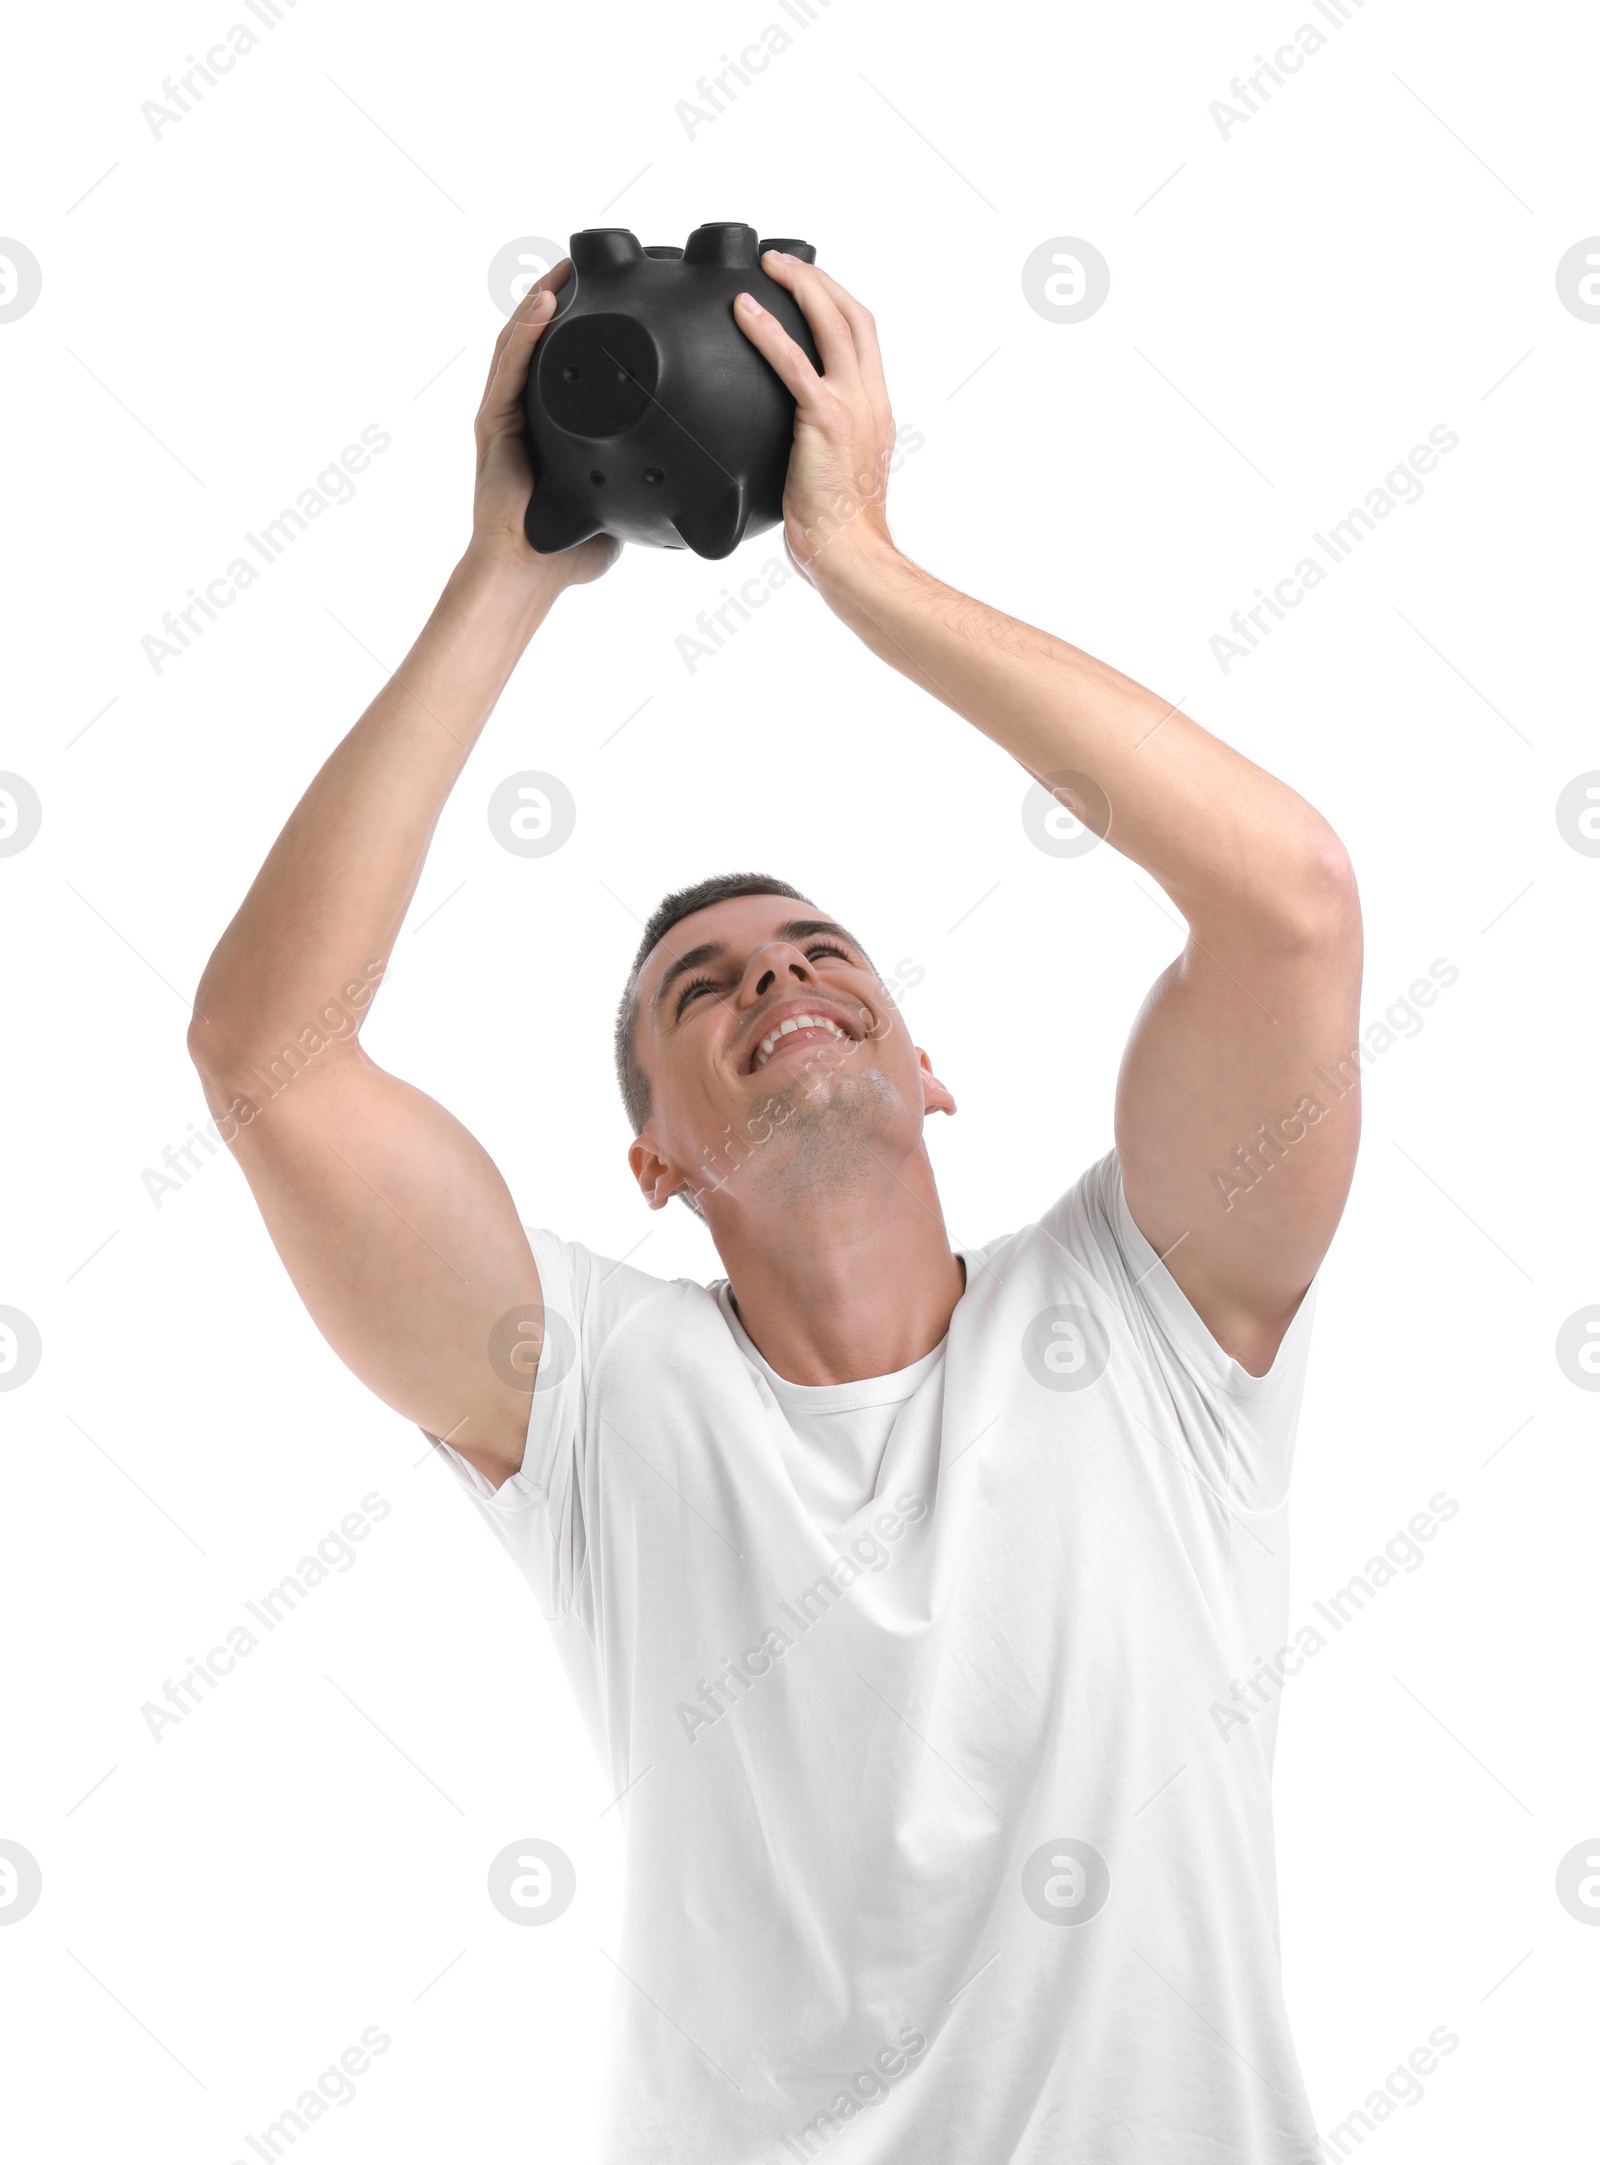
[[826, 947], [695, 984]]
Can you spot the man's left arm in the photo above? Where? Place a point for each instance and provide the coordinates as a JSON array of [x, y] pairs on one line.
[[1236, 1157]]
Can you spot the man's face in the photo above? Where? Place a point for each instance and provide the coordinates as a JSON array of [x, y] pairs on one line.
[[744, 1110]]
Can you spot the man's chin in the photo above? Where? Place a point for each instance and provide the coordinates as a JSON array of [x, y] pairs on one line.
[[825, 1082], [808, 1129]]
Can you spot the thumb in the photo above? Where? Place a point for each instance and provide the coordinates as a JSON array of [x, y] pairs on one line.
[[502, 399]]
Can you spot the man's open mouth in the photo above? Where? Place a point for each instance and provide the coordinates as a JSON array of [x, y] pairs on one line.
[[798, 1027]]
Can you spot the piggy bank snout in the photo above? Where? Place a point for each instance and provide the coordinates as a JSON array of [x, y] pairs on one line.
[[598, 374]]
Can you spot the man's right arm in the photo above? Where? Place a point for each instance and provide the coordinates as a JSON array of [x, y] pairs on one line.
[[392, 1220]]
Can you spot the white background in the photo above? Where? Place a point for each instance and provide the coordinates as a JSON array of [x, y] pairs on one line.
[[304, 254]]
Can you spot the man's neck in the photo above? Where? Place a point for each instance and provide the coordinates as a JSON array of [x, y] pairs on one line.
[[841, 1284]]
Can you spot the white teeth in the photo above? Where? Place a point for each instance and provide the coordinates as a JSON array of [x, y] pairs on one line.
[[789, 1025]]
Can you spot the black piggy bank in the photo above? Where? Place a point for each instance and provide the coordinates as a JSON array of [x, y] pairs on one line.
[[650, 415]]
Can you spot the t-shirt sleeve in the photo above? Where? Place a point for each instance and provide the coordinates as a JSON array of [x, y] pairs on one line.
[[541, 1515], [1239, 1428]]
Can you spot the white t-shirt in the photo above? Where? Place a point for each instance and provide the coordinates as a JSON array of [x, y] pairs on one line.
[[947, 1829], [832, 1435]]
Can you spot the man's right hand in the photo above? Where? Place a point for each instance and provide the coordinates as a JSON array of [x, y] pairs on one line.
[[505, 477]]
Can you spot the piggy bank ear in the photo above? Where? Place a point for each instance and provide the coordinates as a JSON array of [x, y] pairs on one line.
[[717, 529], [551, 525]]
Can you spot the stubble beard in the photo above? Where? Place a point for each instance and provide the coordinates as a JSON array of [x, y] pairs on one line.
[[829, 1131]]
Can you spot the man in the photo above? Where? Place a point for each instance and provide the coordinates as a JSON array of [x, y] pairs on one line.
[[926, 1606]]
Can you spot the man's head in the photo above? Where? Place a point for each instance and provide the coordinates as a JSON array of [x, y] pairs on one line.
[[719, 1104]]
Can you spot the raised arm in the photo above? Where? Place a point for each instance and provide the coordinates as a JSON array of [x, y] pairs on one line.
[[394, 1224], [1236, 1156]]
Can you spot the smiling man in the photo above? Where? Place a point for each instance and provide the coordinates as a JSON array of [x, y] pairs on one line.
[[926, 1604]]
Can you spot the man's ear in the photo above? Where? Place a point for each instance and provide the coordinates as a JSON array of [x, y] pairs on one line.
[[935, 1097], [652, 1172]]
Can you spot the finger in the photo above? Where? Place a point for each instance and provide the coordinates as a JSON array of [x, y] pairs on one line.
[[501, 407], [773, 343], [864, 334], [552, 281], [828, 326], [502, 397]]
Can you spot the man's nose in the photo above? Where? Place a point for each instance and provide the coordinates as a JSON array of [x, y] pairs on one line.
[[768, 977]]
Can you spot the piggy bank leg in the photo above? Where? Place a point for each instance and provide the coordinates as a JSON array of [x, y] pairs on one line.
[[717, 530], [551, 525]]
